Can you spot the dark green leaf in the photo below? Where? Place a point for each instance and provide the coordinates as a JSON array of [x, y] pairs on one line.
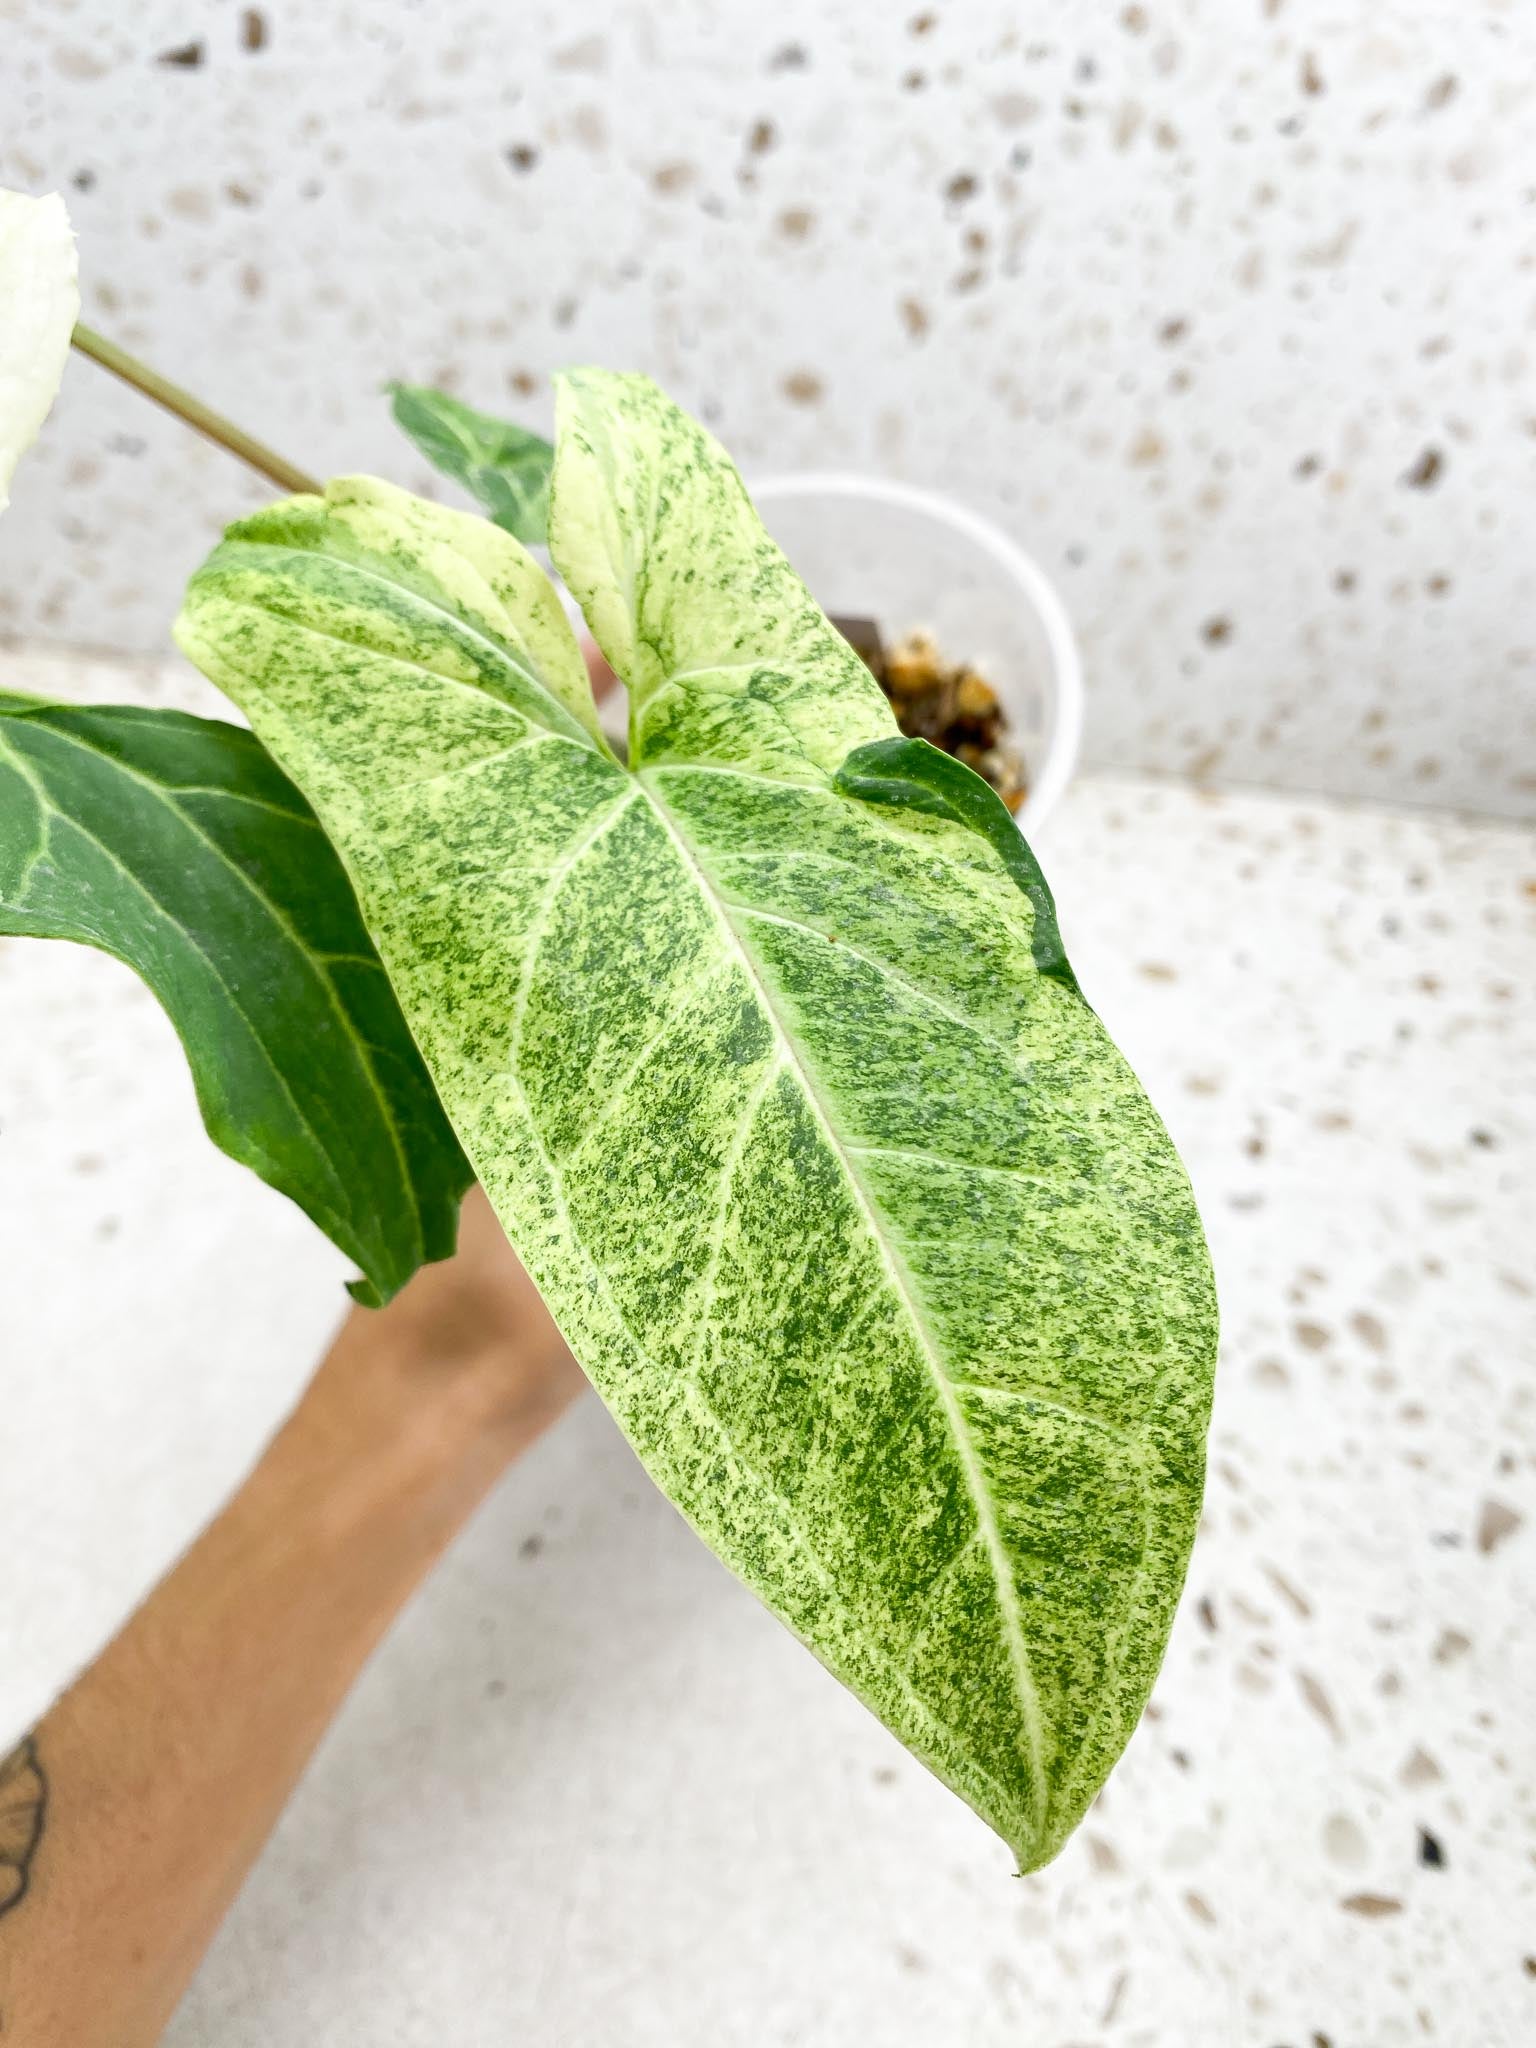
[[178, 846], [505, 467]]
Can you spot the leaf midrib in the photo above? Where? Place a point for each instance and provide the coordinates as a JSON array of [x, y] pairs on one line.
[[901, 1281], [556, 1177], [638, 784], [646, 781]]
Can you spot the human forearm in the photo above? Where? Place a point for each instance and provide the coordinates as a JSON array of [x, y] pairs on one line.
[[167, 1763]]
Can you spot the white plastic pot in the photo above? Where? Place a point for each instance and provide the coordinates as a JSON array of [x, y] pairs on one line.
[[904, 557]]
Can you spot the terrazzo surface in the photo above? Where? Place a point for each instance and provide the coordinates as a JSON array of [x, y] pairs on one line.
[[1221, 307], [588, 1791]]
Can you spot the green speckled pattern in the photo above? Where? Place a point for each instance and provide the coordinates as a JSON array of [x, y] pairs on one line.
[[857, 1220]]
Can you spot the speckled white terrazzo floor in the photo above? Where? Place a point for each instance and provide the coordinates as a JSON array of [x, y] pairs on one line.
[[589, 1792]]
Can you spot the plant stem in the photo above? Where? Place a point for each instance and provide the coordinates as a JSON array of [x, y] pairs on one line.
[[207, 422]]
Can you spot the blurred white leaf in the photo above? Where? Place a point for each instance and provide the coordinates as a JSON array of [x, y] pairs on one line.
[[39, 303]]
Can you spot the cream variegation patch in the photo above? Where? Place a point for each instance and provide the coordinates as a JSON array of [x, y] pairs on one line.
[[39, 303]]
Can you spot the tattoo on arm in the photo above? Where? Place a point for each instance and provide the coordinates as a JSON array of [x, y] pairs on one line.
[[23, 1810]]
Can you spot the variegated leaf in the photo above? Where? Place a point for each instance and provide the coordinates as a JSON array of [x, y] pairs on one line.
[[836, 1185]]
